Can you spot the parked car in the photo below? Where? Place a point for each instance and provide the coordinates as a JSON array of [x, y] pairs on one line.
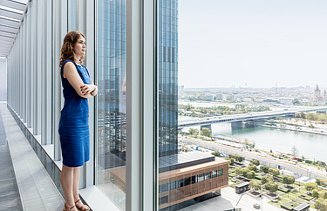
[[256, 206]]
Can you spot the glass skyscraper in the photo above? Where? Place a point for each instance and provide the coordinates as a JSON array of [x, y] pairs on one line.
[[111, 60], [111, 100], [168, 75]]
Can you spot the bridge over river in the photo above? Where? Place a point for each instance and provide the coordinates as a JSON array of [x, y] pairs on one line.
[[237, 119]]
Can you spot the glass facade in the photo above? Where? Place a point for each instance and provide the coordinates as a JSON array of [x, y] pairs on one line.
[[184, 178], [168, 76], [111, 100], [138, 154], [110, 47]]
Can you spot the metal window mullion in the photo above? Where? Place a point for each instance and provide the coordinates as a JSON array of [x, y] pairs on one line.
[[133, 105], [28, 67], [88, 20], [18, 73], [56, 21], [38, 69], [13, 76], [14, 73], [48, 72], [43, 71], [34, 79], [149, 146], [21, 72], [25, 68], [22, 69], [33, 65], [62, 26]]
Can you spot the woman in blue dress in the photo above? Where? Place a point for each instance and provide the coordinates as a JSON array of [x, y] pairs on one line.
[[73, 125]]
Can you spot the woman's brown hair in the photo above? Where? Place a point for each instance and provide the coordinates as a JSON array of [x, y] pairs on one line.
[[66, 52]]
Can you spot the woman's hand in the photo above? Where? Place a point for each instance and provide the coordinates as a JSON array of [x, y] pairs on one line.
[[86, 89], [89, 89]]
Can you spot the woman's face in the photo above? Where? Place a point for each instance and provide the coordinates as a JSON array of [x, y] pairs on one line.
[[79, 48]]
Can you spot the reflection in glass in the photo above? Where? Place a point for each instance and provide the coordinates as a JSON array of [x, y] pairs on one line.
[[111, 100], [72, 15], [184, 177]]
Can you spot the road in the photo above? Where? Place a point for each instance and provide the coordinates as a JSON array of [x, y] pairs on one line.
[[266, 160]]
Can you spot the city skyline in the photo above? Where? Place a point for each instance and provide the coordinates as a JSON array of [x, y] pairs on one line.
[[252, 44]]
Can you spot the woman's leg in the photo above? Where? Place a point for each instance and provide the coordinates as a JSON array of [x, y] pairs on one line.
[[66, 179], [76, 175], [79, 204]]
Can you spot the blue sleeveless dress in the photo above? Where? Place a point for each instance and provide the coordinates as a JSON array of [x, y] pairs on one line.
[[73, 124]]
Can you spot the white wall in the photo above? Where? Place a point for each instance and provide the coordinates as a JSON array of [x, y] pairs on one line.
[[3, 79]]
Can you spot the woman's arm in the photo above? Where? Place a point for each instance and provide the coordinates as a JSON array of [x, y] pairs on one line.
[[91, 89], [71, 74]]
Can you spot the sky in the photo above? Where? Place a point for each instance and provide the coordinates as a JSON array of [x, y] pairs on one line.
[[252, 43]]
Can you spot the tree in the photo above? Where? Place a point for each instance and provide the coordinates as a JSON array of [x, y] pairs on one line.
[[296, 101], [323, 194], [188, 107], [254, 184], [288, 179], [264, 169], [315, 193], [231, 161], [252, 167], [321, 204], [255, 162], [250, 174], [266, 179], [310, 186], [193, 131], [216, 153], [318, 181], [301, 115], [206, 132], [271, 186], [238, 171], [273, 171], [239, 158], [244, 172]]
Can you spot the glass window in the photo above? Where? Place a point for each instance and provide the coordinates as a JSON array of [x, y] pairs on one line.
[[173, 185], [111, 100], [163, 187], [72, 15], [193, 179], [207, 176], [181, 158], [163, 200], [200, 177], [220, 172], [187, 181], [214, 173]]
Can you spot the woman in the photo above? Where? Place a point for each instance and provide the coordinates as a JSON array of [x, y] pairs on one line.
[[73, 125]]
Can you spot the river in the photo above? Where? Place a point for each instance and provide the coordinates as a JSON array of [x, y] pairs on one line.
[[312, 146]]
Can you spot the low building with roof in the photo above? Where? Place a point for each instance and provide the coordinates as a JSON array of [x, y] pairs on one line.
[[190, 175]]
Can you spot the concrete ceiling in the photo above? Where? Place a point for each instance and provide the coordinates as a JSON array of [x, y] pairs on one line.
[[11, 16]]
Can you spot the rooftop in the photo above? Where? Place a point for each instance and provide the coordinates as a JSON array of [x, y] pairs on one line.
[[182, 160]]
